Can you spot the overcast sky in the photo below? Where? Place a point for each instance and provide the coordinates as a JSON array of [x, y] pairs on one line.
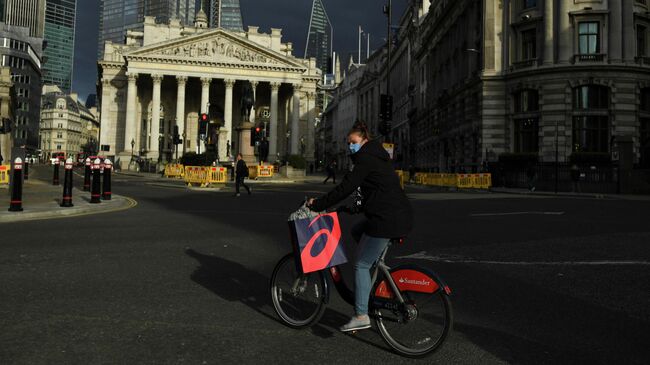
[[290, 15]]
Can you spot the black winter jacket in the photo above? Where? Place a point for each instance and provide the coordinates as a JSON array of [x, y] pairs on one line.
[[385, 205], [241, 170]]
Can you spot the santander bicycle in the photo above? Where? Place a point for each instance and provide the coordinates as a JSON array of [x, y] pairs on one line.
[[410, 304]]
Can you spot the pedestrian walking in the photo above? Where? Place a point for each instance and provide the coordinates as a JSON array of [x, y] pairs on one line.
[[331, 172], [241, 173], [531, 173], [412, 172]]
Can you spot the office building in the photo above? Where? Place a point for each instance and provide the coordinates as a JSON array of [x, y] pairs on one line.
[[25, 13], [320, 38], [226, 14], [59, 34], [117, 17], [22, 54]]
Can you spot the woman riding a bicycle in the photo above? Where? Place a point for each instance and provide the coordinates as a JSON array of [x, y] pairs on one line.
[[387, 209]]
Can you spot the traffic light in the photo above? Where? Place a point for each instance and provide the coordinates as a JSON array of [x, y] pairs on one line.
[[204, 119], [256, 135], [386, 108], [176, 137], [385, 128]]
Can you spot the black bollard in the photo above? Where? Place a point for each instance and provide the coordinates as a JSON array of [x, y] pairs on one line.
[[16, 203], [67, 185], [87, 175], [55, 178], [26, 173], [106, 187], [95, 193]]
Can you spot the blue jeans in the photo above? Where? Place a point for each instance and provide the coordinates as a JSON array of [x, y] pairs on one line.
[[368, 251]]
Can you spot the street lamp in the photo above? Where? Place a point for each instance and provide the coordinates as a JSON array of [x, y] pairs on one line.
[[288, 136]]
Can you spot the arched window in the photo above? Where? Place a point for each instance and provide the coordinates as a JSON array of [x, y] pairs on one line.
[[591, 119]]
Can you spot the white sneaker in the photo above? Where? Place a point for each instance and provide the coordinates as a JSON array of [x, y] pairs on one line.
[[356, 324]]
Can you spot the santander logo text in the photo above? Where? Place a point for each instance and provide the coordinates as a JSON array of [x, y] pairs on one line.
[[414, 282]]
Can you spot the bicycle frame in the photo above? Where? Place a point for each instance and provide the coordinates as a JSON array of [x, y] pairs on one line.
[[380, 267]]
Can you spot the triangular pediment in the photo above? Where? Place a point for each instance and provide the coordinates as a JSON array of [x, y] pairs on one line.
[[218, 46]]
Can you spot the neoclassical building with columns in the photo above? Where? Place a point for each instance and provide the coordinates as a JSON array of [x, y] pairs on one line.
[[168, 74]]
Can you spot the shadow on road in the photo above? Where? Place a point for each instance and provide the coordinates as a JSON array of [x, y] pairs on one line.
[[234, 282]]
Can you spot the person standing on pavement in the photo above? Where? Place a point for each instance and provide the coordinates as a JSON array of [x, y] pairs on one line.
[[331, 172], [241, 172]]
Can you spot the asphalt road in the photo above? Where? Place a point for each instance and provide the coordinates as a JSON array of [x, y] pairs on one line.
[[534, 280]]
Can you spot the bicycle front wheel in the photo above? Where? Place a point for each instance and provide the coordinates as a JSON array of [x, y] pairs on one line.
[[299, 299], [420, 326]]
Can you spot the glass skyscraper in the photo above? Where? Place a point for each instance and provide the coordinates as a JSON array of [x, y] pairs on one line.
[[59, 34], [226, 14], [118, 16], [320, 37]]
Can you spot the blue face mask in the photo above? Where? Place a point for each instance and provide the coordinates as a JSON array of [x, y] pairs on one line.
[[355, 147]]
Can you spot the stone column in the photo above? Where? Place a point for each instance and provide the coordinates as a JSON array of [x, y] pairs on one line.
[[131, 125], [107, 131], [205, 94], [205, 100], [549, 32], [154, 147], [180, 111], [227, 107], [254, 85], [273, 138], [311, 138], [295, 121]]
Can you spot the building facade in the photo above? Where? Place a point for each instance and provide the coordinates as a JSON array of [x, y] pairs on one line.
[[340, 116], [22, 54], [6, 114], [66, 125], [169, 74], [25, 13], [530, 77], [226, 14], [60, 18]]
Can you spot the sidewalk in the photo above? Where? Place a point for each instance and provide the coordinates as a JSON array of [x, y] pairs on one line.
[[312, 179], [42, 201], [570, 194]]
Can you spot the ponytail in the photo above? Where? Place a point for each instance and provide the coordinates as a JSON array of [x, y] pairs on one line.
[[361, 129]]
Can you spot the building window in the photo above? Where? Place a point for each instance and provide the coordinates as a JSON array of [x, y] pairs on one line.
[[641, 40], [59, 135], [528, 44], [591, 134], [644, 128], [589, 37], [591, 97], [526, 101], [527, 4], [526, 135], [591, 119]]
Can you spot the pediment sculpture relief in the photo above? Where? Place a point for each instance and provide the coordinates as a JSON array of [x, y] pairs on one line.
[[216, 49]]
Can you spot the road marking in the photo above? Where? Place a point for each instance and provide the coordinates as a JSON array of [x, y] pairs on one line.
[[514, 213], [460, 260]]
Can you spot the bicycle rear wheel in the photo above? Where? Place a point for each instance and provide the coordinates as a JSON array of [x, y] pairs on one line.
[[420, 326], [298, 299]]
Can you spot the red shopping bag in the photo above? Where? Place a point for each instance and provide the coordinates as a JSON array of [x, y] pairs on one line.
[[317, 243]]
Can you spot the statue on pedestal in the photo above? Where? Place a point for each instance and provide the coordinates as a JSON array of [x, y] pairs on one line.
[[247, 101]]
